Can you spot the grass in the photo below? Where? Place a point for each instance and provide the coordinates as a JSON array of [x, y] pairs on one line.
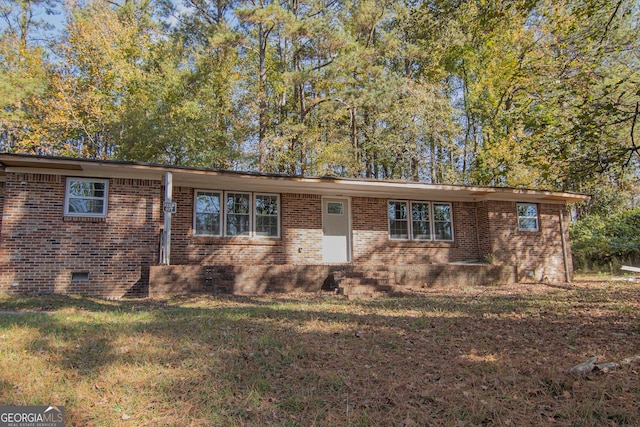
[[472, 356]]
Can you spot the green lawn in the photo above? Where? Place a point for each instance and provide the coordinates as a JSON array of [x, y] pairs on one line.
[[474, 356]]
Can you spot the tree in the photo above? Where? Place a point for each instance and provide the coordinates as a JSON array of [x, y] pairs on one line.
[[23, 68]]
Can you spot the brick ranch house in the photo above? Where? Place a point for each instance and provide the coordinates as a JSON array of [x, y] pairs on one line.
[[117, 229]]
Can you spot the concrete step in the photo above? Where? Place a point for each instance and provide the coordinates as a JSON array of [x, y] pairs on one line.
[[363, 283], [364, 290], [365, 296]]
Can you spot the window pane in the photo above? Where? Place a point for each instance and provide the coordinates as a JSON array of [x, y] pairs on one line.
[[399, 230], [267, 226], [86, 206], [237, 225], [441, 212], [208, 224], [525, 209], [95, 206], [420, 211], [266, 205], [443, 231], [80, 188], [208, 203], [238, 214], [398, 220], [421, 230], [98, 189], [443, 228], [397, 210], [238, 203], [334, 208], [86, 189], [207, 213], [421, 224], [266, 215], [528, 224]]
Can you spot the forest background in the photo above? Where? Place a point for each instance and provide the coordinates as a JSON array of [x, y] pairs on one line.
[[529, 93]]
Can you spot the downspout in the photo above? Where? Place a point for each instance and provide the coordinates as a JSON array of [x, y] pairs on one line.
[[565, 255], [482, 256], [168, 202]]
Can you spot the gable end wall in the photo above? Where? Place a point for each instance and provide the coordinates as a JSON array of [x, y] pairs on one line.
[[536, 256], [40, 248]]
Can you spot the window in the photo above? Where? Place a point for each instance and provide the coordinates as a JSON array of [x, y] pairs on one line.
[[421, 224], [527, 217], [335, 208], [238, 214], [442, 221], [267, 215], [79, 276], [86, 197], [429, 221], [398, 220], [207, 215]]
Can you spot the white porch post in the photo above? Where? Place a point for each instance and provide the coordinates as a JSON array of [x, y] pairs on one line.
[[168, 195]]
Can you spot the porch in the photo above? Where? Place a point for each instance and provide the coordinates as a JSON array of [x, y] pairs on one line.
[[259, 279]]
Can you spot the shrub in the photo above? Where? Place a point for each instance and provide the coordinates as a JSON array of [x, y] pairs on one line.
[[606, 242]]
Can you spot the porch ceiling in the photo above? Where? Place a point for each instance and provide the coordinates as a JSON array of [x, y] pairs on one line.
[[239, 181]]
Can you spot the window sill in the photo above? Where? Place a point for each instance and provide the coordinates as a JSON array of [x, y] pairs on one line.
[[423, 243], [84, 219], [245, 241]]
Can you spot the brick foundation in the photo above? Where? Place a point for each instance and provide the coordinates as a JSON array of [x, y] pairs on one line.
[[260, 279]]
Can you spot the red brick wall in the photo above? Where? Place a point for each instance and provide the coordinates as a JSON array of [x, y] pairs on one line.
[[302, 228], [40, 248], [301, 236], [537, 256], [299, 243], [484, 232], [2, 185], [371, 242]]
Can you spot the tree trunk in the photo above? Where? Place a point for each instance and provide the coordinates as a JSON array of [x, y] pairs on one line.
[[262, 97]]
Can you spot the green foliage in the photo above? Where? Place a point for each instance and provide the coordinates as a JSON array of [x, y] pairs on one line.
[[526, 93], [605, 241]]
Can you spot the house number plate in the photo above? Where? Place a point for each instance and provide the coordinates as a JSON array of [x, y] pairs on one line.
[[170, 207]]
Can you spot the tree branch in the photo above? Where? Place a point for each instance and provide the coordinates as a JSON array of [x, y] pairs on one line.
[[613, 15]]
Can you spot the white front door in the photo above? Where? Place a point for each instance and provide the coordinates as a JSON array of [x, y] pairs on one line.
[[336, 230]]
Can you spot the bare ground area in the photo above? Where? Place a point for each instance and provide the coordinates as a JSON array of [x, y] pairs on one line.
[[453, 357]]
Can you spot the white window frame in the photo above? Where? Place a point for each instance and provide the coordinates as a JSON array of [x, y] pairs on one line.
[[249, 214], [68, 197], [433, 221], [255, 216], [536, 218], [409, 204], [408, 220], [430, 222], [224, 214], [221, 212]]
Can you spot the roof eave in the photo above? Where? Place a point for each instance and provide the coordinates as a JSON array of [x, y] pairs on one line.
[[246, 181]]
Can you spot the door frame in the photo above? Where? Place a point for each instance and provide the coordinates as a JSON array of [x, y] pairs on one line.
[[349, 225]]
